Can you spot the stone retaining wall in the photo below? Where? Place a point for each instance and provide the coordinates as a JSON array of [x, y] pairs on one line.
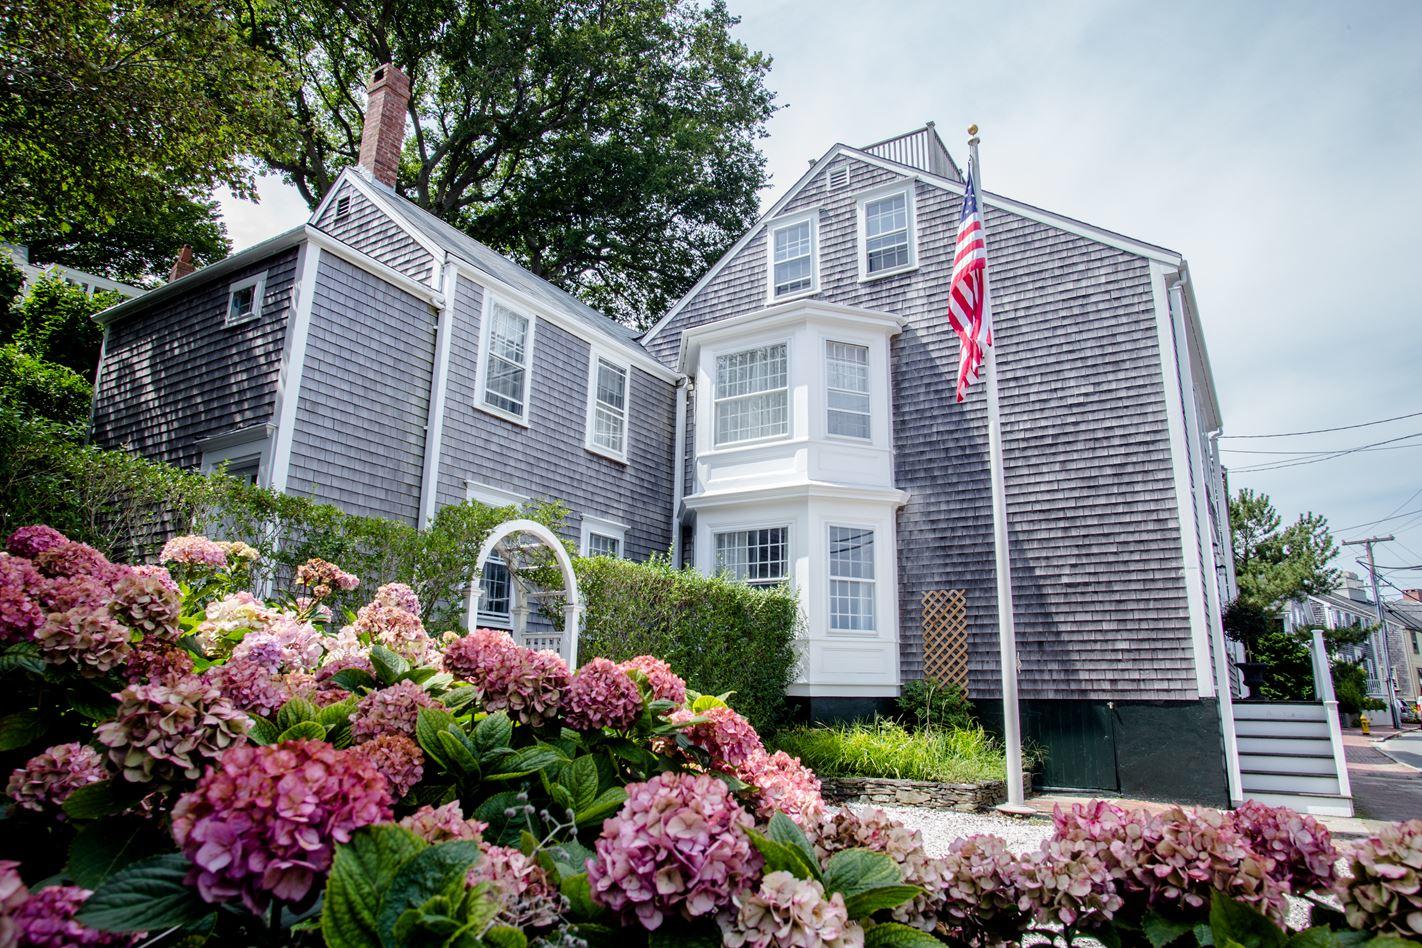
[[882, 791]]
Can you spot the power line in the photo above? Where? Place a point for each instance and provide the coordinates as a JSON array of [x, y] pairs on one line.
[[1295, 434], [1400, 447], [1274, 466], [1396, 516]]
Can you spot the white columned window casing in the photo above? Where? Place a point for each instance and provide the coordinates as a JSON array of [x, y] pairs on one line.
[[792, 252]]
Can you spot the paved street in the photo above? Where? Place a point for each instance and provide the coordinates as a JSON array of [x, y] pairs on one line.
[[1386, 775]]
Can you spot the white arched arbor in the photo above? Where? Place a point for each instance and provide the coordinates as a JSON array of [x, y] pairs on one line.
[[572, 599]]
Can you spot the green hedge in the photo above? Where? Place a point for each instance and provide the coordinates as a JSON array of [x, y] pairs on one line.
[[717, 634]]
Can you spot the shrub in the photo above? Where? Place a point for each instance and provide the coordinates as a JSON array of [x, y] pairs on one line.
[[928, 702], [44, 389], [886, 749], [717, 634], [1350, 687]]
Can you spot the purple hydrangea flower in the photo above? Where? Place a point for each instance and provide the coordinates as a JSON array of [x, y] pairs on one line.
[[666, 684], [46, 920], [528, 684], [393, 710], [728, 738], [399, 630], [69, 559], [166, 732], [791, 912], [441, 824], [21, 599], [249, 683], [398, 596], [322, 578], [981, 881], [147, 602], [1300, 846], [13, 894], [87, 637], [781, 784], [31, 541], [398, 758], [47, 780], [601, 695]]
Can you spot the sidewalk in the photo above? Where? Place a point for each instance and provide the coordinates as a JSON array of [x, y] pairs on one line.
[[1384, 789]]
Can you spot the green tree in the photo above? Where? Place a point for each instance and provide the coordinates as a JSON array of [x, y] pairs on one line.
[[607, 145], [54, 322], [119, 116]]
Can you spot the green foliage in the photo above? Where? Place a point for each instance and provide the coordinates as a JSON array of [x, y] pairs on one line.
[[149, 895], [720, 635], [55, 322], [1350, 688], [11, 279], [927, 702], [565, 135], [42, 389], [886, 749]]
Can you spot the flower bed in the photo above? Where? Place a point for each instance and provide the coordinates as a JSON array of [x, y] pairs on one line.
[[196, 765]]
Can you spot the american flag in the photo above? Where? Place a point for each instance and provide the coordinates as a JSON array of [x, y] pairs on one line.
[[967, 314]]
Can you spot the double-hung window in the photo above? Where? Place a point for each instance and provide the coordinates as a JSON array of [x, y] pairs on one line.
[[607, 408], [752, 397], [755, 557], [602, 537], [851, 579], [508, 361], [793, 268], [886, 234], [496, 594], [847, 384]]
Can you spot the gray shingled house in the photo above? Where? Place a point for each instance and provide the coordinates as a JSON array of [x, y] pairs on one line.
[[790, 420]]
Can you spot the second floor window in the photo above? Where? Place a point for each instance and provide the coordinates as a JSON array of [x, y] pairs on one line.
[[752, 397], [886, 234], [792, 258], [508, 356], [607, 413], [754, 557], [847, 384]]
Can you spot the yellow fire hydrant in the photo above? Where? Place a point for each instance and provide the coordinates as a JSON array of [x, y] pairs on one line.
[[1363, 723]]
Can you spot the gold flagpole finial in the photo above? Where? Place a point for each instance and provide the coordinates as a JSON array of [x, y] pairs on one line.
[[972, 129]]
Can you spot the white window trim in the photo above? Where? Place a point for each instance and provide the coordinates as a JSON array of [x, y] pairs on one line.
[[259, 285], [595, 355], [789, 528], [862, 202], [603, 527], [789, 400], [493, 496], [830, 578], [485, 319], [779, 224], [239, 449], [869, 368]]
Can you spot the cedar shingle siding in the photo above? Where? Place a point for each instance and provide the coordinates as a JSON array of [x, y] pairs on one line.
[[173, 374], [1097, 568], [371, 231]]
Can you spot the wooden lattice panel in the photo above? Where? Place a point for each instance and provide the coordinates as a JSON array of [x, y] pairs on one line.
[[945, 635]]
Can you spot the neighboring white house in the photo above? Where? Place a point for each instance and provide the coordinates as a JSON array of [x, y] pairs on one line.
[[90, 283]]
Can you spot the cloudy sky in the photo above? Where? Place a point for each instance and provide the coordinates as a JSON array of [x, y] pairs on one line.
[[1223, 130]]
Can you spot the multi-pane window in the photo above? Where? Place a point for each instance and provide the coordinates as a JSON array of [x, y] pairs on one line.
[[608, 412], [847, 381], [792, 258], [244, 299], [495, 593], [755, 557], [851, 579], [600, 544], [886, 234], [752, 397], [506, 361]]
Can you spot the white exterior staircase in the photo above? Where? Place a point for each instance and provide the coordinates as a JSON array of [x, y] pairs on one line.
[[1291, 754]]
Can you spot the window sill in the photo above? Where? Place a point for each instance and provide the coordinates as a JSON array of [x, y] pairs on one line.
[[234, 323], [604, 453], [737, 446], [519, 420], [885, 274], [773, 300]]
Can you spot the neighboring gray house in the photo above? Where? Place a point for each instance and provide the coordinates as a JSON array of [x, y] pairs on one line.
[[790, 420]]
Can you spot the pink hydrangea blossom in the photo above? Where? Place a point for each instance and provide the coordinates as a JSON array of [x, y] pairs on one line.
[[402, 632], [441, 824], [876, 830], [265, 821], [194, 550], [147, 602], [677, 847], [298, 645], [225, 617], [601, 695], [398, 596], [46, 920], [780, 783], [1383, 892], [31, 541], [47, 780], [1065, 887], [398, 758], [165, 732], [249, 683], [75, 592], [791, 912], [13, 895], [1301, 847], [528, 684], [666, 684], [87, 637], [21, 606], [727, 738], [978, 902], [157, 660], [322, 578], [393, 710], [526, 897], [70, 559], [484, 657]]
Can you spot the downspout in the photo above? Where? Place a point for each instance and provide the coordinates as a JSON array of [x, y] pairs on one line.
[[1213, 617], [439, 383], [678, 468]]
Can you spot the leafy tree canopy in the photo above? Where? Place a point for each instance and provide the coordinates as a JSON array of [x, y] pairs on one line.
[[607, 145], [119, 117], [54, 322], [1274, 563]]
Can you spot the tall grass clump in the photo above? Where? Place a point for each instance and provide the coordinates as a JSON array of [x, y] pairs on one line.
[[882, 748]]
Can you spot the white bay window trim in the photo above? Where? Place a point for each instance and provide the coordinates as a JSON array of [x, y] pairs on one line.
[[750, 391], [852, 579], [884, 227], [244, 300], [603, 537], [609, 405], [513, 363], [792, 256]]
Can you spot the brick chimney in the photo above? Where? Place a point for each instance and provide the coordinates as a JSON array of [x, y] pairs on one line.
[[384, 132], [183, 265], [1414, 594]]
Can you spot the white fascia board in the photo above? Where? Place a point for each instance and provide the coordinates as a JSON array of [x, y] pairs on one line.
[[372, 194], [1202, 353], [638, 357], [374, 267], [875, 495], [784, 314]]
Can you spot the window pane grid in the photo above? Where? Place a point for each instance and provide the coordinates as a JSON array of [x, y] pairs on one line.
[[886, 234], [847, 375], [610, 407], [506, 362], [793, 258], [602, 545], [496, 591], [752, 400], [754, 557], [851, 575]]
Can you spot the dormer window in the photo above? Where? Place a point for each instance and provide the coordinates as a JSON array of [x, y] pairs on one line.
[[887, 242], [794, 267], [244, 300]]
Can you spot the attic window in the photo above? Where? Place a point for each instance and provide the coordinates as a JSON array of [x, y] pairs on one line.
[[343, 206], [244, 300], [837, 178]]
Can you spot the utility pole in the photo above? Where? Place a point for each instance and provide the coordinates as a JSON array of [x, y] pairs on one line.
[[1385, 665]]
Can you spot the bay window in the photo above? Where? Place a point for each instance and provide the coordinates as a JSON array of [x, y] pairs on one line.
[[847, 390], [752, 395], [757, 557], [851, 579]]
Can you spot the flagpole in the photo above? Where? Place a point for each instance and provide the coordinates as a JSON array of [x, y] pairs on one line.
[[1006, 630]]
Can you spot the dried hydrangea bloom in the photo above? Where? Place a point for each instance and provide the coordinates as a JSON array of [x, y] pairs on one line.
[[194, 550], [666, 684], [297, 644], [74, 592], [70, 559], [791, 912], [781, 784], [87, 637], [322, 578], [397, 629], [166, 732], [1300, 846], [1383, 894], [229, 615], [725, 736], [398, 758], [441, 824], [393, 710], [249, 683], [1197, 852], [13, 894], [876, 830], [526, 897], [265, 821], [21, 605], [979, 899], [601, 695], [157, 660], [47, 779], [46, 920], [398, 596], [1062, 887], [31, 541], [677, 847], [147, 602]]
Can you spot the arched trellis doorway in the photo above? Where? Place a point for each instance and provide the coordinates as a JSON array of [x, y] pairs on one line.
[[509, 540]]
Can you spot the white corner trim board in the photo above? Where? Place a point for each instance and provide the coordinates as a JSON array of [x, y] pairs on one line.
[[439, 386], [293, 363]]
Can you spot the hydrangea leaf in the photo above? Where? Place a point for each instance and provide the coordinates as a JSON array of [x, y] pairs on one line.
[[94, 800], [495, 731], [606, 803], [388, 666], [782, 858], [895, 935], [433, 872], [262, 731], [361, 872], [852, 871], [581, 780], [783, 830], [456, 751], [100, 849], [706, 703], [303, 731], [429, 723], [20, 729], [334, 715], [22, 655], [149, 895], [867, 903], [503, 936], [297, 711], [1162, 931], [1233, 921], [354, 679], [675, 932], [570, 858]]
